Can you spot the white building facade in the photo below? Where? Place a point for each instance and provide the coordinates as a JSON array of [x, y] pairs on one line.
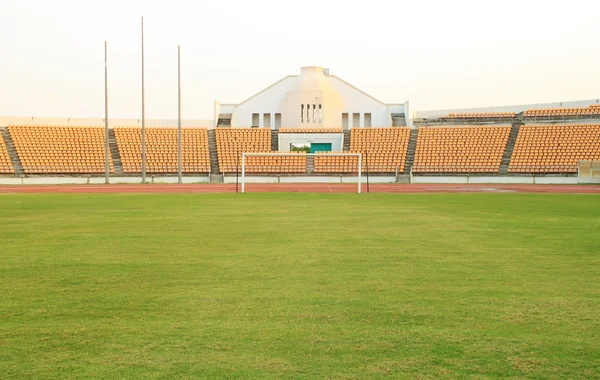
[[312, 99]]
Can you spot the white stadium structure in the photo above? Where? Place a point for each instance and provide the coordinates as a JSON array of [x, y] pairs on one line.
[[313, 114]]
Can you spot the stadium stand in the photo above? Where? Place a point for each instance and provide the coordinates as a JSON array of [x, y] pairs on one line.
[[551, 113], [383, 149], [460, 149], [5, 163], [310, 130], [60, 150], [554, 148], [479, 115], [161, 150], [292, 163], [232, 142], [326, 162]]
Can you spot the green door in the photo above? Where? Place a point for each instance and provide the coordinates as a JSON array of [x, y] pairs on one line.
[[320, 147]]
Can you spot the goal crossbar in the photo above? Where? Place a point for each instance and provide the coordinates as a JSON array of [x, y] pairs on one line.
[[291, 154]]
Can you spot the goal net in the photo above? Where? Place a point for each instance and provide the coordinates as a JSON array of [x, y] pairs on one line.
[[589, 171], [301, 167]]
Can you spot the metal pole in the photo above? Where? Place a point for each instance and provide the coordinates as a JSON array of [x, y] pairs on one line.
[[237, 169], [367, 162], [143, 114], [243, 173], [106, 164], [179, 115], [359, 170]]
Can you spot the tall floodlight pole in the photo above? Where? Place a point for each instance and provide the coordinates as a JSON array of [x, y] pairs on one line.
[[143, 114], [106, 165], [179, 114]]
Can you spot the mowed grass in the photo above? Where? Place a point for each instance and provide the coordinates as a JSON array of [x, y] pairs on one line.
[[300, 286]]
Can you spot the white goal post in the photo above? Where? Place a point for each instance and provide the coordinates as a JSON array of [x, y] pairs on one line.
[[296, 165]]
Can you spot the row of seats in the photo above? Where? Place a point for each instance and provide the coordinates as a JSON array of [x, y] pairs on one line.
[[554, 148], [232, 142], [458, 149], [161, 150], [5, 164], [480, 115], [60, 150], [310, 130], [328, 162], [477, 149], [383, 149], [292, 163], [558, 112]]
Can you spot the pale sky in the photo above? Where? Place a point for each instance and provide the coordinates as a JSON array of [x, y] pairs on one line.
[[437, 54]]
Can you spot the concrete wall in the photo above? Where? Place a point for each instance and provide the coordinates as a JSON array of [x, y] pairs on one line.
[[290, 179], [336, 140], [497, 180], [311, 179], [96, 122], [515, 108], [94, 180]]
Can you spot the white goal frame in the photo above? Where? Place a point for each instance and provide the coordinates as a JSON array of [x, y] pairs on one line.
[[280, 154]]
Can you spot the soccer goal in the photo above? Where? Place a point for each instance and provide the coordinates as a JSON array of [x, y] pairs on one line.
[[301, 167], [589, 171]]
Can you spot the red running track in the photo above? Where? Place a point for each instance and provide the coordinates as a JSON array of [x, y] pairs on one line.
[[302, 187]]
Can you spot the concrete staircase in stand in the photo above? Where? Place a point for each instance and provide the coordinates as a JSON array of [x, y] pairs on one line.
[[398, 120], [224, 121], [114, 152], [274, 140], [346, 146], [412, 147], [12, 152], [215, 176], [310, 164], [510, 146]]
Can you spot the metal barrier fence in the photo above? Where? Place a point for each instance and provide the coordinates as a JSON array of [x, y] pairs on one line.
[[589, 171], [485, 169]]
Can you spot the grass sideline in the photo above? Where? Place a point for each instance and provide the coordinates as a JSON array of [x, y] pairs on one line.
[[300, 285]]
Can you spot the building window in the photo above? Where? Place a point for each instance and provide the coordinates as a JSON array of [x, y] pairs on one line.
[[320, 114], [367, 119], [314, 118], [277, 120], [255, 120], [356, 120], [345, 122]]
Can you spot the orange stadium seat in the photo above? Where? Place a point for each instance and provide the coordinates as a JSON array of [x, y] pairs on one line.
[[288, 163], [327, 162], [460, 149], [232, 142], [549, 113], [161, 150], [383, 151], [310, 130], [5, 163], [480, 115], [60, 150], [554, 148]]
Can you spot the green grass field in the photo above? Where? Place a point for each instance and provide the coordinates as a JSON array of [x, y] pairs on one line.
[[300, 286]]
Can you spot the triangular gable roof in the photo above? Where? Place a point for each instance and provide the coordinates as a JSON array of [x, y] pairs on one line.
[[265, 89], [358, 89]]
